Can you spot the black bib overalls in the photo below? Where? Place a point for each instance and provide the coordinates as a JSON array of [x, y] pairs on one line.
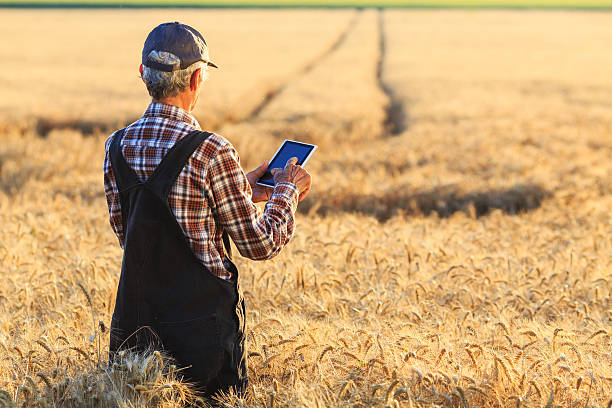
[[166, 297]]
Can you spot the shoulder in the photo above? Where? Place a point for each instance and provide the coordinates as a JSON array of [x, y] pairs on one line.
[[214, 146], [128, 130], [107, 159], [110, 139]]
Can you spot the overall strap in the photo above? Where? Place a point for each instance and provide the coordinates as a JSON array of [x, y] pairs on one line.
[[171, 166], [125, 176], [168, 170]]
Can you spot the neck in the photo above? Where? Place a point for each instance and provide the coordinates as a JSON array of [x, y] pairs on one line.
[[181, 100]]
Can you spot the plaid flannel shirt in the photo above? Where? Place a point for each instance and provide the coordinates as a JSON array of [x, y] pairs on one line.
[[210, 195]]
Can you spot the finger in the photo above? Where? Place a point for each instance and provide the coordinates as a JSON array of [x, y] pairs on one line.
[[274, 171], [261, 169], [291, 161]]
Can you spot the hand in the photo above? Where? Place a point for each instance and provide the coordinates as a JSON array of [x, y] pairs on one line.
[[260, 193], [294, 173]]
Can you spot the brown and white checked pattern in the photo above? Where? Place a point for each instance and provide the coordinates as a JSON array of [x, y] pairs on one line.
[[211, 193]]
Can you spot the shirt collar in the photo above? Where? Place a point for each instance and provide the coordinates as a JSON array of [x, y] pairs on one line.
[[156, 109]]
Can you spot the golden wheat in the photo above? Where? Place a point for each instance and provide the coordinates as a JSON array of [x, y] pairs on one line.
[[455, 250]]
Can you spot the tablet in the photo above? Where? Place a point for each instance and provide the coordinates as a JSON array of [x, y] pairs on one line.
[[289, 149]]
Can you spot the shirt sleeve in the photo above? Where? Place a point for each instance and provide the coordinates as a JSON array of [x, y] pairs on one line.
[[258, 235], [112, 198]]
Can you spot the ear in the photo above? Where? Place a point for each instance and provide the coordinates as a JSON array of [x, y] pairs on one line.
[[194, 82]]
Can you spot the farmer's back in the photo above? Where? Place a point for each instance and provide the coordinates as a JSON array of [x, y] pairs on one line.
[[174, 193]]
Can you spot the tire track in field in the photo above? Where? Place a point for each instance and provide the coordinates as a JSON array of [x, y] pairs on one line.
[[272, 94], [396, 120], [443, 201]]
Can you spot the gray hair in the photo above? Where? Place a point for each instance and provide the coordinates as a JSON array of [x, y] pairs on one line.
[[161, 84]]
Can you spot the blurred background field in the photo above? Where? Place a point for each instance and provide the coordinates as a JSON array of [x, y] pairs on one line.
[[456, 248], [579, 4]]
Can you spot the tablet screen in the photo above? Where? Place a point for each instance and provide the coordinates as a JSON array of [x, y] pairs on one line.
[[288, 150]]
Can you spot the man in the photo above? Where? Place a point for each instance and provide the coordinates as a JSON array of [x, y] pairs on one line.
[[175, 194]]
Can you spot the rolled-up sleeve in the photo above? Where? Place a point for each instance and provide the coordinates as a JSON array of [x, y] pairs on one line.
[[258, 235]]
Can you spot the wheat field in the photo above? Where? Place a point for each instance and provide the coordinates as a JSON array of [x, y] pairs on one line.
[[456, 248]]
